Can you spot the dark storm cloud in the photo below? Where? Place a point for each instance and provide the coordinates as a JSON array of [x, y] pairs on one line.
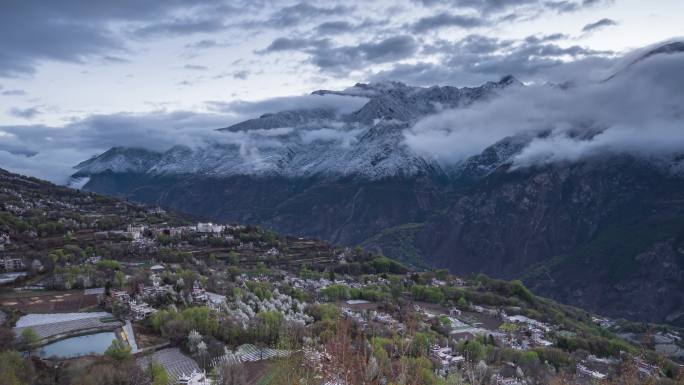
[[241, 75], [565, 6], [481, 5], [79, 30], [393, 48], [205, 43], [295, 44], [34, 41], [535, 39], [598, 25], [332, 58], [444, 20], [304, 12], [334, 27], [114, 59], [195, 67], [427, 74], [345, 58], [182, 26], [26, 113], [477, 58], [13, 93], [517, 9]]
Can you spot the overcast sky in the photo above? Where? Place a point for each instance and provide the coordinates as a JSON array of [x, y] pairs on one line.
[[81, 65]]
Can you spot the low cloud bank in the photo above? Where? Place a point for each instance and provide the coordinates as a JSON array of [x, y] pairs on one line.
[[341, 103], [639, 111], [51, 152]]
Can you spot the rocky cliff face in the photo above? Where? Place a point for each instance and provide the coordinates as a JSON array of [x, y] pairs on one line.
[[602, 234]]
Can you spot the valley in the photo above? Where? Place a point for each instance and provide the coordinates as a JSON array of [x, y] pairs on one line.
[[111, 288]]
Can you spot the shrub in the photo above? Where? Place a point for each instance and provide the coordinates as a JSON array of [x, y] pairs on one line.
[[119, 351], [427, 294], [336, 292]]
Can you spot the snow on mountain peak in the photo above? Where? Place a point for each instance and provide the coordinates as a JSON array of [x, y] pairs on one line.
[[316, 141]]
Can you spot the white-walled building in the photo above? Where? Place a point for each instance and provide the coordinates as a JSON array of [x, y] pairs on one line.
[[209, 228]]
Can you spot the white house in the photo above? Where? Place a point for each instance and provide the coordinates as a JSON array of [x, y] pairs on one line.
[[12, 264], [140, 310], [209, 228], [215, 300], [194, 378]]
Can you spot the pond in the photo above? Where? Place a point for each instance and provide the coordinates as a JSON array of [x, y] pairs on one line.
[[78, 346]]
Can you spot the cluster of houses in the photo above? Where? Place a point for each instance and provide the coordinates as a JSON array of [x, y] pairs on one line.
[[362, 318], [9, 264], [536, 331], [446, 357], [194, 378], [527, 332], [212, 300], [137, 232], [595, 368], [499, 379], [603, 322], [139, 308]]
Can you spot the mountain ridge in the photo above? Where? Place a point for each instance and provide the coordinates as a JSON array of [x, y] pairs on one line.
[[583, 230], [369, 143]]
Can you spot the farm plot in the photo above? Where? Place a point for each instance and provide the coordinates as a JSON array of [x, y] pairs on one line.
[[48, 302], [52, 325]]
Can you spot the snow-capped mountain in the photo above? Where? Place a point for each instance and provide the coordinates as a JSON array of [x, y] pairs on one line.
[[366, 143], [577, 190]]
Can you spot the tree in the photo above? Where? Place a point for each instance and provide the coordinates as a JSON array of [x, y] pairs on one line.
[[442, 274], [14, 370], [427, 294], [421, 344], [6, 338], [268, 325], [194, 339], [29, 340], [119, 309], [455, 379], [202, 352], [158, 374], [462, 303], [335, 292], [528, 359], [231, 373], [119, 279], [119, 351], [174, 330], [472, 350], [476, 374], [233, 258], [520, 291]]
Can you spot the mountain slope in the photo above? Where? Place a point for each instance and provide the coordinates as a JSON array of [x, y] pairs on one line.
[[315, 142], [604, 235], [598, 228]]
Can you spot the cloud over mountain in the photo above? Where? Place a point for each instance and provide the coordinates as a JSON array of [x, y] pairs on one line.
[[567, 124], [558, 122]]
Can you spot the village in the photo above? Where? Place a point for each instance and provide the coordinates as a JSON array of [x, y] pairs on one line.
[[108, 284]]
